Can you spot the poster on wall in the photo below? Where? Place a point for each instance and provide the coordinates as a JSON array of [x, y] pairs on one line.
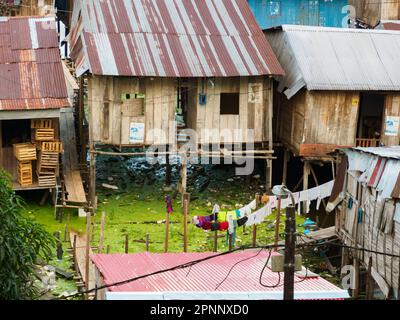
[[255, 93], [136, 132], [392, 126]]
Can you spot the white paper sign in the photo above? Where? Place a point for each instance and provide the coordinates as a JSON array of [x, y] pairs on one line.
[[136, 132], [392, 126]]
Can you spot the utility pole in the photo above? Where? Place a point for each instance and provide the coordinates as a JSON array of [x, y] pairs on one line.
[[290, 247]]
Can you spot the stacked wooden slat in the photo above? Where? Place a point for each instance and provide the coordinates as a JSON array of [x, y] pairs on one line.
[[25, 154], [49, 150], [24, 169]]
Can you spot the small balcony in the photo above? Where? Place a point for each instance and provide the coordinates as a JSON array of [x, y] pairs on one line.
[[367, 143]]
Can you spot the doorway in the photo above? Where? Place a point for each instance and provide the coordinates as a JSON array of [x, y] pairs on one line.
[[370, 119]]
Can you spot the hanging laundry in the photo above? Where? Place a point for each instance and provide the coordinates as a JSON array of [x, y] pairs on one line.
[[242, 221], [253, 205], [215, 226], [264, 199], [168, 201], [216, 209], [231, 227], [223, 226]]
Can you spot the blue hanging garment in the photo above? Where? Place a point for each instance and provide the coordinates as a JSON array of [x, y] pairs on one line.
[[350, 205], [360, 215]]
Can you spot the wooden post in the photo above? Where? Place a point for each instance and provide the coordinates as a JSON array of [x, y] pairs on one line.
[[185, 221], [184, 174], [102, 225], [126, 243], [80, 120], [92, 184], [108, 249], [74, 254], [286, 156], [215, 241], [306, 173], [88, 216], [147, 242], [333, 169], [230, 242], [277, 223], [356, 290], [369, 290], [167, 170], [254, 242], [166, 232]]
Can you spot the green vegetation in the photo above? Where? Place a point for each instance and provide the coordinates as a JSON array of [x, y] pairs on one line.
[[137, 211], [22, 243]]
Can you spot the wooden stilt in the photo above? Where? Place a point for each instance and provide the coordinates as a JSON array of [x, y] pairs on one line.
[[369, 290], [147, 242], [356, 290], [286, 156], [184, 174], [92, 184], [333, 170], [87, 252], [268, 175], [80, 120], [167, 170], [126, 243], [306, 173], [166, 232], [230, 242], [254, 242], [108, 249], [186, 197], [102, 225], [277, 223], [215, 241]]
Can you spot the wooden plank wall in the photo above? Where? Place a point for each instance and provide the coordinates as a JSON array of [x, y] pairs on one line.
[[113, 127], [251, 115], [367, 233], [331, 117], [392, 108], [373, 11], [290, 115]]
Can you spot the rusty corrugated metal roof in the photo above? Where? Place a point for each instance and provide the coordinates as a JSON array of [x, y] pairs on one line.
[[320, 58], [205, 276], [31, 73], [169, 38]]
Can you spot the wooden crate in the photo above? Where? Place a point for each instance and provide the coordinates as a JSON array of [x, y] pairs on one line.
[[46, 179], [48, 162], [42, 124], [44, 134], [24, 151], [24, 170], [52, 146]]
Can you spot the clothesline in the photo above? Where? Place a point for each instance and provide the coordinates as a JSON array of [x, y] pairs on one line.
[[220, 220], [317, 193]]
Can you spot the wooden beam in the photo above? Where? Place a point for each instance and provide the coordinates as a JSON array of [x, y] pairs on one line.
[[102, 225], [318, 150], [88, 216], [286, 156]]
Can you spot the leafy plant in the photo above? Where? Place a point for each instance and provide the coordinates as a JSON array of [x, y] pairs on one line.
[[22, 242]]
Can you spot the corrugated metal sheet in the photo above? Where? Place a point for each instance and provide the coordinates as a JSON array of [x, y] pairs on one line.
[[169, 38], [337, 59], [31, 73], [324, 13], [389, 25], [203, 277]]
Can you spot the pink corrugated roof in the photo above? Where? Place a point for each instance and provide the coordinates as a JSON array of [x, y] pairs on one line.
[[170, 38], [203, 277], [31, 73]]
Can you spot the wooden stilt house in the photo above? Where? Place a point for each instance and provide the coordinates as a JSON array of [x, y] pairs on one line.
[[365, 200], [32, 92], [341, 88], [157, 67], [369, 13]]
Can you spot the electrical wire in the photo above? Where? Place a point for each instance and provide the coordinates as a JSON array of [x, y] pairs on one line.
[[192, 263], [262, 272], [230, 270]]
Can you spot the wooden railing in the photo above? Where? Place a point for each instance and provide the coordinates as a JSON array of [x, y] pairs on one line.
[[367, 143]]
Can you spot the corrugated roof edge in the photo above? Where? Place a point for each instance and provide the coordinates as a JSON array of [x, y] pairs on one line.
[[384, 152]]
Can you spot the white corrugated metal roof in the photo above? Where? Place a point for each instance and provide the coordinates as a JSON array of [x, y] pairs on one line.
[[321, 58]]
